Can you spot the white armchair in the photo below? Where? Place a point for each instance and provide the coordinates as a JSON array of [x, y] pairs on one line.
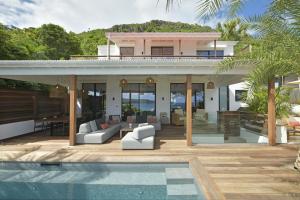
[[200, 116]]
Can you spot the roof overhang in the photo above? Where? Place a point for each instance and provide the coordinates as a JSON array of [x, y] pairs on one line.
[[116, 67]]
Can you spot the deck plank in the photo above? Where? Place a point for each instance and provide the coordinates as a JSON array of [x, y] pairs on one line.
[[237, 171]]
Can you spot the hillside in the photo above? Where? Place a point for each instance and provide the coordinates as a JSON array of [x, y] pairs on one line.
[[52, 41], [90, 40]]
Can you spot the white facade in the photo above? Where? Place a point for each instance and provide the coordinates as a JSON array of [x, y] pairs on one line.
[[233, 103]]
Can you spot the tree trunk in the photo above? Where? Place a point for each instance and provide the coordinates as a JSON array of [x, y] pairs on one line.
[[271, 113]]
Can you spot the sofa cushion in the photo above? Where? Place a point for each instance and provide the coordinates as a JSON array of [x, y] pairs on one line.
[[143, 132], [128, 142], [93, 125], [143, 124], [85, 128]]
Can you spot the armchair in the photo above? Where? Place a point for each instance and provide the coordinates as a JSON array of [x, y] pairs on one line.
[[200, 116], [178, 117]]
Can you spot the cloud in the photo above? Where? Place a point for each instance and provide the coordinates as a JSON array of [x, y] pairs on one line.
[[77, 16]]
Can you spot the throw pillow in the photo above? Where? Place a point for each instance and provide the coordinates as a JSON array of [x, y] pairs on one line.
[[104, 126], [131, 119], [294, 123], [93, 125], [85, 128], [152, 119]]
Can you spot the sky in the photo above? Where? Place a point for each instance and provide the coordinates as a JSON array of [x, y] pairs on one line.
[[82, 15]]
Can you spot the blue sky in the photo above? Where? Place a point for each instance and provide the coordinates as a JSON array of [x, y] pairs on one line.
[[253, 7], [81, 15]]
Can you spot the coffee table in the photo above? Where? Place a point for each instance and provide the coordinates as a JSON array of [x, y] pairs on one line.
[[126, 130]]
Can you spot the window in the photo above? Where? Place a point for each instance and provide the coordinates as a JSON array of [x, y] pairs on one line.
[[178, 96], [162, 51], [127, 51], [210, 54], [239, 94], [93, 100], [138, 99]]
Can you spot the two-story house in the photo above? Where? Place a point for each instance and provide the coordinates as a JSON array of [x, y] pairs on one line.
[[171, 76]]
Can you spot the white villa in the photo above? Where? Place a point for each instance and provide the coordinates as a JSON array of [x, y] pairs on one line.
[[170, 77]]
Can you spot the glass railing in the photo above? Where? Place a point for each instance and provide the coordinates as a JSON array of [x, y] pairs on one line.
[[143, 57]]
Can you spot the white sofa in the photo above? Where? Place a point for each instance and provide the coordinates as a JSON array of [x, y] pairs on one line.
[[142, 137], [91, 133]]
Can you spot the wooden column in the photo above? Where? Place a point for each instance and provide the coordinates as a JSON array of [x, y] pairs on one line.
[[189, 110], [73, 105], [271, 113]]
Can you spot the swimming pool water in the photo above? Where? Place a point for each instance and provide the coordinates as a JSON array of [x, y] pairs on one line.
[[97, 181]]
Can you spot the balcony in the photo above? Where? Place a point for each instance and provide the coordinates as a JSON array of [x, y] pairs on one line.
[[150, 58]]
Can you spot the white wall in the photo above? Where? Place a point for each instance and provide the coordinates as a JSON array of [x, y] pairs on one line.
[[163, 92], [16, 129], [113, 96], [234, 105], [212, 104], [188, 47]]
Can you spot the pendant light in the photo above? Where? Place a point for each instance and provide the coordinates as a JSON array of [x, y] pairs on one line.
[[210, 85], [150, 80], [123, 83]]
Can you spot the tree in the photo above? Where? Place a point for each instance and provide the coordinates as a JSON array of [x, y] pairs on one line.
[[60, 44], [233, 30], [5, 45]]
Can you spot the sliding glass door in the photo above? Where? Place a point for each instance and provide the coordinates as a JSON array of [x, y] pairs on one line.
[[178, 96], [93, 100], [138, 99]]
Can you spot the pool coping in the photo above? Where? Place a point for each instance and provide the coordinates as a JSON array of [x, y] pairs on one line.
[[208, 186]]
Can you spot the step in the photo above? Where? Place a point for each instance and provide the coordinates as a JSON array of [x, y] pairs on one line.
[[183, 191], [179, 176]]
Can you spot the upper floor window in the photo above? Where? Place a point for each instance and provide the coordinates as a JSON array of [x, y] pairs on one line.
[[210, 54], [162, 51], [127, 51]]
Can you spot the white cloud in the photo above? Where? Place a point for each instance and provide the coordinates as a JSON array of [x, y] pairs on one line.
[[80, 15]]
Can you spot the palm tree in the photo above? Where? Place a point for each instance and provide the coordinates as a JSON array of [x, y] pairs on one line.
[[275, 52], [233, 30]]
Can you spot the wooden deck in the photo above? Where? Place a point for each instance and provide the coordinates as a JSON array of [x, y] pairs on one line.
[[237, 171]]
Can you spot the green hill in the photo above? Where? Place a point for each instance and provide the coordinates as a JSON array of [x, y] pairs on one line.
[[90, 40], [52, 42]]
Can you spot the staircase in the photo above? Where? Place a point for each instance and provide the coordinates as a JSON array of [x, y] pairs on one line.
[[180, 184]]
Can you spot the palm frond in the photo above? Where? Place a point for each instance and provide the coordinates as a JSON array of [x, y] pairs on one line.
[[207, 8]]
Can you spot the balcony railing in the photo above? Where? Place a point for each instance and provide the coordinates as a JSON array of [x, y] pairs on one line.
[[143, 57]]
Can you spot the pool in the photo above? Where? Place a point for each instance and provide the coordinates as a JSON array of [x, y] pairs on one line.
[[105, 181]]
